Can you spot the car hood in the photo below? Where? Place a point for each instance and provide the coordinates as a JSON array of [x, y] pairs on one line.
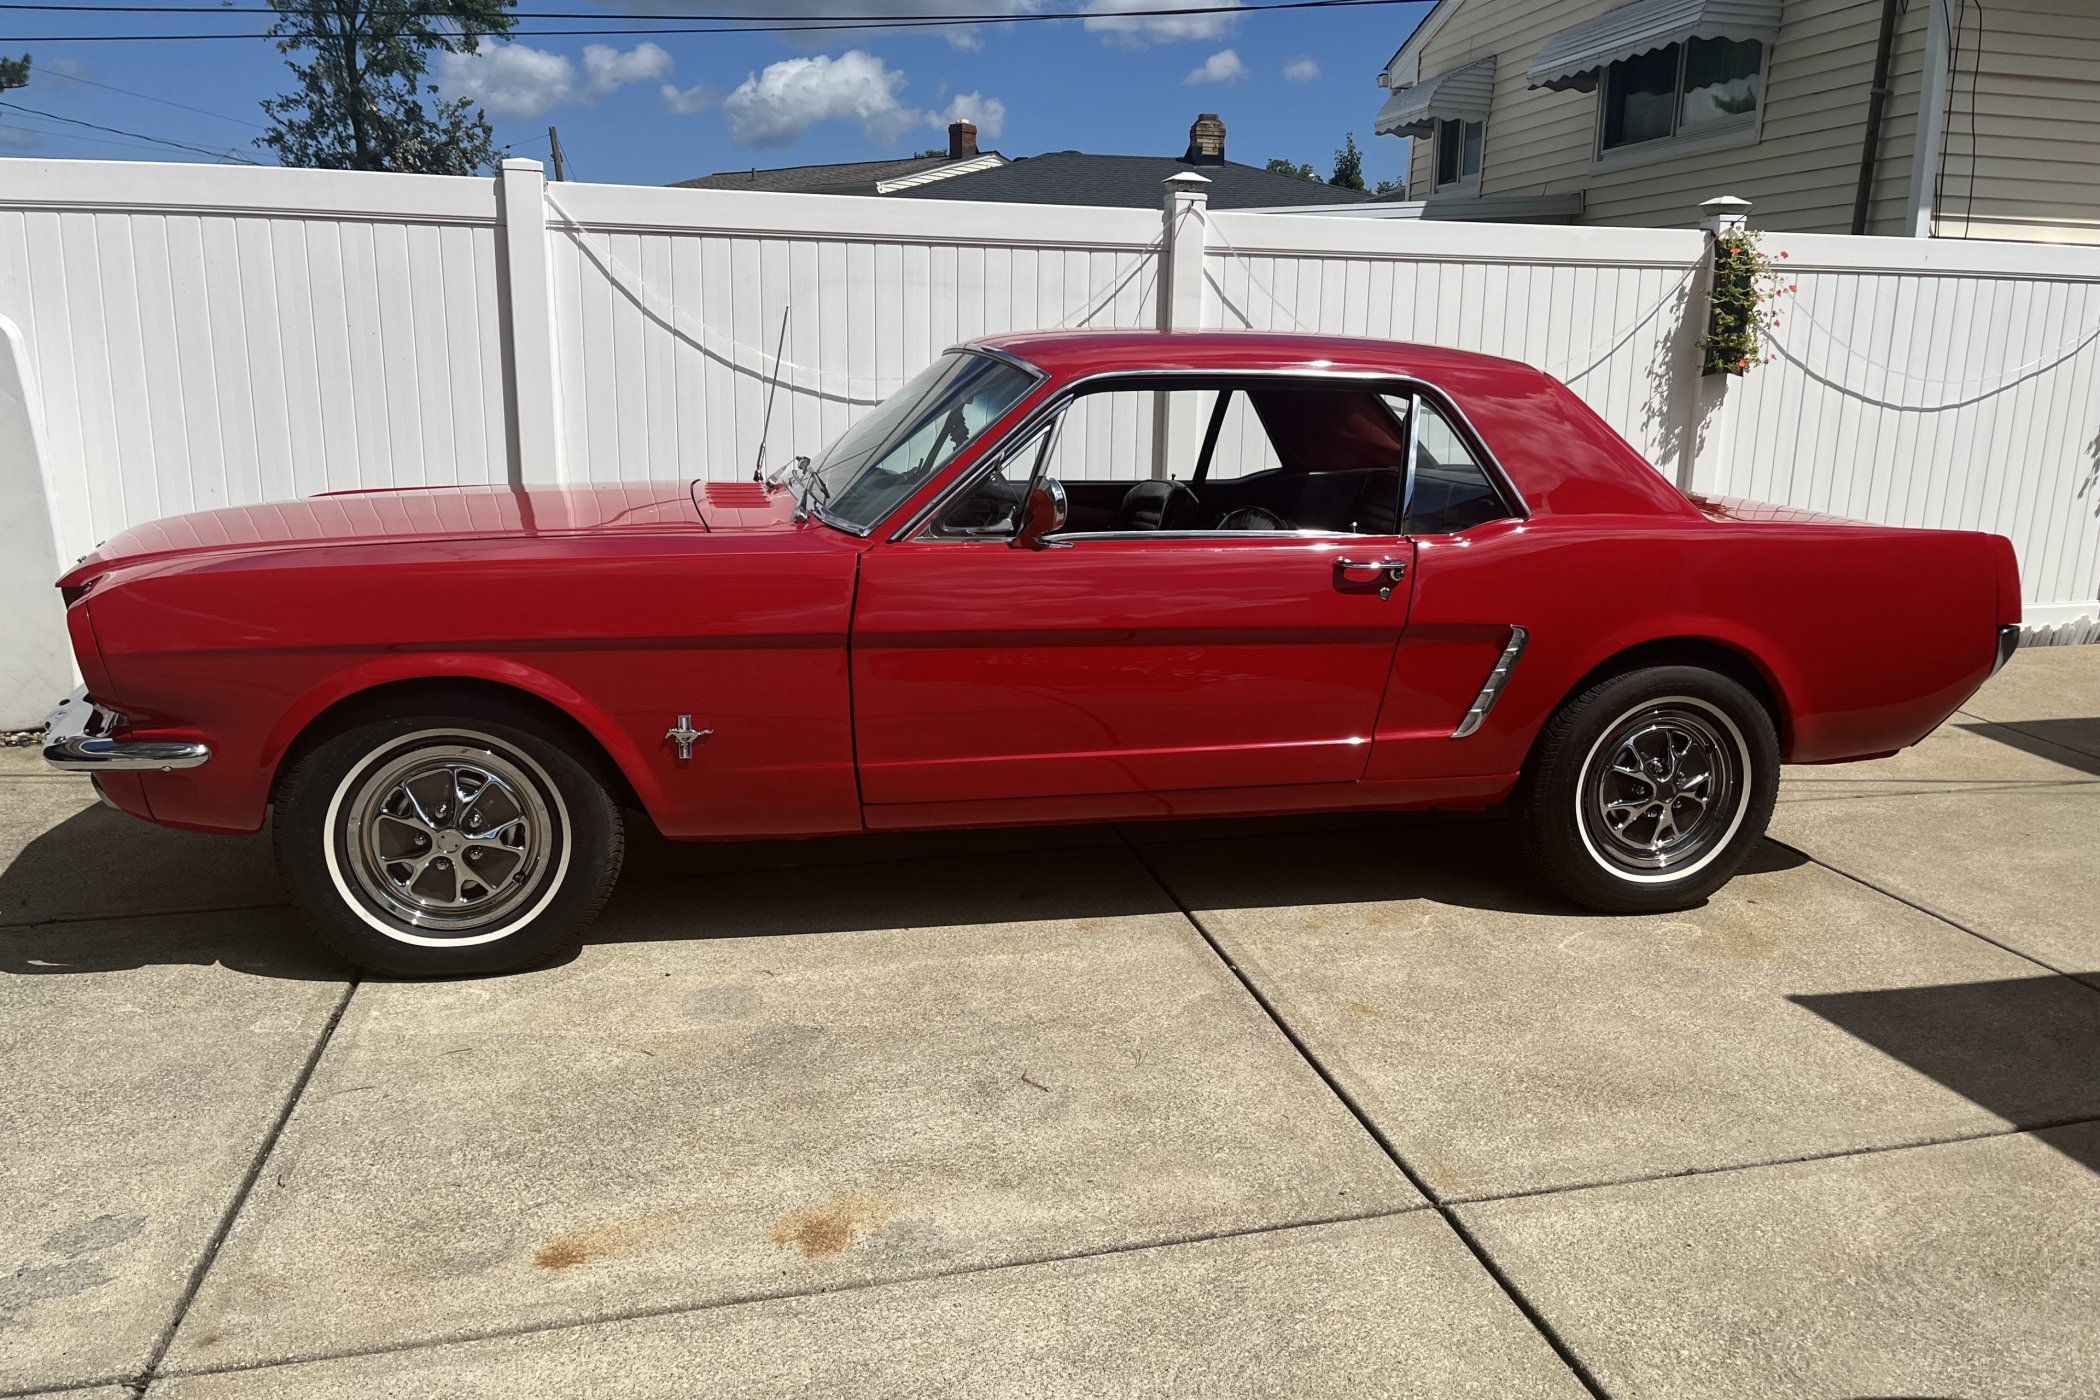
[[448, 513]]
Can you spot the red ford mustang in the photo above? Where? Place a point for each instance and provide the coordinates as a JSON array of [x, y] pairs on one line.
[[1055, 578]]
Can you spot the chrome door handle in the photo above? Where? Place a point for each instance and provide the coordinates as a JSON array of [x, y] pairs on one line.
[[1394, 570]]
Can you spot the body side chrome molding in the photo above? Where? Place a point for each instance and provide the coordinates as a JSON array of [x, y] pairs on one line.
[[1491, 689], [76, 739]]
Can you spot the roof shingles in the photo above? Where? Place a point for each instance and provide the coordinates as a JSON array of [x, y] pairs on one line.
[[1128, 182]]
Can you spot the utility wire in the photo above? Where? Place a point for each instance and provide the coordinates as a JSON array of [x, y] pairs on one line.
[[762, 24], [134, 135], [983, 17], [42, 73]]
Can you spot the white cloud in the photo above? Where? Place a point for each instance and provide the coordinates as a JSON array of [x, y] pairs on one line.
[[1135, 31], [686, 101], [68, 68], [607, 68], [15, 138], [774, 107], [513, 80], [1224, 66], [1302, 69], [988, 113]]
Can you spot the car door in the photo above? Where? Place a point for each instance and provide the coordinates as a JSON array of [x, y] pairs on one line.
[[1120, 661]]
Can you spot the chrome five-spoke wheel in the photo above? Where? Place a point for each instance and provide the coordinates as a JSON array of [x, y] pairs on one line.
[[450, 838], [1665, 790], [449, 843], [1646, 790]]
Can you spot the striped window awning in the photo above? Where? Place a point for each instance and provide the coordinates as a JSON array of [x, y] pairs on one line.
[[1456, 94], [1574, 58]]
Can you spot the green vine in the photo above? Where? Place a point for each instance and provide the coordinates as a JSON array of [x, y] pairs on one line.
[[1744, 305]]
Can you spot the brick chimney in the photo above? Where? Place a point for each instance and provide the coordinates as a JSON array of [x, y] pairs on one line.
[[962, 140], [1206, 141]]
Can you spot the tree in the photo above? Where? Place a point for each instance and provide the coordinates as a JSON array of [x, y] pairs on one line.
[[1279, 166], [361, 103], [1348, 166], [14, 72], [1387, 187]]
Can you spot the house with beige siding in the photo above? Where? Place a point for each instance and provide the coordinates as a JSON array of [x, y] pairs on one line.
[[1932, 118]]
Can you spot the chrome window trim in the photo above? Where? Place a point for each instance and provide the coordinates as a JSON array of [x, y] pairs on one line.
[[1037, 378], [1413, 385], [1497, 679]]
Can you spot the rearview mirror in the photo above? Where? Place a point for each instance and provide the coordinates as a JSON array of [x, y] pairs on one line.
[[1043, 512]]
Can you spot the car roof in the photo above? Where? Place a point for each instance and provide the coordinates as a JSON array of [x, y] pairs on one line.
[[1562, 457], [1065, 353]]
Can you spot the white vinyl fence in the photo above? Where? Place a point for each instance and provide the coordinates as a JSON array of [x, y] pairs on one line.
[[175, 338]]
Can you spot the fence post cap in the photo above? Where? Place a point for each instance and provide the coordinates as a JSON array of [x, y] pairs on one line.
[[1719, 204], [519, 164], [1187, 180]]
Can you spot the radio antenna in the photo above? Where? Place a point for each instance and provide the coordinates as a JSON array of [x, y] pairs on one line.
[[758, 473]]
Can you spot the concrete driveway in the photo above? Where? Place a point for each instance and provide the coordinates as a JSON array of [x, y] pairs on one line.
[[1325, 1107]]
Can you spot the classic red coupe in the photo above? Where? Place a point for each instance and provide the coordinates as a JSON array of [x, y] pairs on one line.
[[1055, 578]]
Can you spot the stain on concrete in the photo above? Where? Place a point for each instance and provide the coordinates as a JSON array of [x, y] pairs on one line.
[[713, 1004], [831, 1227], [1739, 940], [24, 1288], [103, 1232], [1362, 1008], [608, 1239]]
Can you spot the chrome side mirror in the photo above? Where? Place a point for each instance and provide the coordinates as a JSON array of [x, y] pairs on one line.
[[1042, 513]]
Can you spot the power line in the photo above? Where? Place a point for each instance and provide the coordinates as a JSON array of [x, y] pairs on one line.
[[42, 73], [987, 17], [59, 134], [752, 24], [134, 135]]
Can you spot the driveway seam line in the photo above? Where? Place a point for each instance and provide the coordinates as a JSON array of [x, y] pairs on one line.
[[1524, 1306], [1930, 912], [1834, 1155], [151, 1371], [529, 1329]]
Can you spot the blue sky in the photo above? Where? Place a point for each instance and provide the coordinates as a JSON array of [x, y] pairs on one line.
[[657, 108]]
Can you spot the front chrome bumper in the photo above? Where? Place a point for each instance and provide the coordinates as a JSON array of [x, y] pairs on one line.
[[77, 739]]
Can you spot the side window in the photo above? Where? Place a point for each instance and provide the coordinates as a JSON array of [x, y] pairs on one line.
[[992, 507], [1449, 490]]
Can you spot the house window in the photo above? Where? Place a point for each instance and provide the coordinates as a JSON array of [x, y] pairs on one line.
[[1458, 151], [1686, 89]]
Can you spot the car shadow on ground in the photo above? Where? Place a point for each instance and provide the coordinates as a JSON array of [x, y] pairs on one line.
[[2073, 743], [2025, 1048], [101, 892]]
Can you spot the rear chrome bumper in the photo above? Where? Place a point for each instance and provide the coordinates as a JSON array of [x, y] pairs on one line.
[[2008, 643], [77, 739]]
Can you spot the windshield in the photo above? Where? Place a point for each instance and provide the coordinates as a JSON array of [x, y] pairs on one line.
[[915, 432]]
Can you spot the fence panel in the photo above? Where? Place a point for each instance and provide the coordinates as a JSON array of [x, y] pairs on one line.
[[669, 304], [203, 336], [207, 337], [1953, 385]]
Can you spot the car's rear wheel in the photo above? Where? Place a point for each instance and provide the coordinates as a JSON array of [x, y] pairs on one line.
[[1646, 791], [442, 845]]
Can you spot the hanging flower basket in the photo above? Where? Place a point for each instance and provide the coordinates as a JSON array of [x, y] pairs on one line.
[[1744, 305]]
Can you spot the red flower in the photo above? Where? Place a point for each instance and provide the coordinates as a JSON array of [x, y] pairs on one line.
[[1784, 254], [1793, 286]]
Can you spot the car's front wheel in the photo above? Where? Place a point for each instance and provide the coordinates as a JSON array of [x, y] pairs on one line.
[[443, 845], [1646, 791]]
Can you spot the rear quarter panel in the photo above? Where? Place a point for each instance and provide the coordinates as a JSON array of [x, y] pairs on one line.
[[746, 635], [1869, 637]]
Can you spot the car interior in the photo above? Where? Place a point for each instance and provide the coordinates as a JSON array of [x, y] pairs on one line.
[[1247, 456]]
